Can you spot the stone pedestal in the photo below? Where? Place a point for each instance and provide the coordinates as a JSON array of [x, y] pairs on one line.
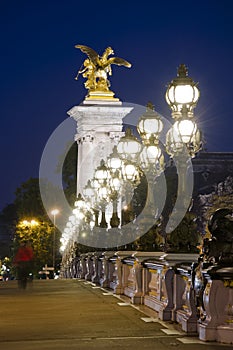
[[89, 266], [160, 289], [215, 300], [83, 266], [133, 275], [99, 128], [104, 268], [117, 283], [163, 294], [96, 268], [225, 331], [185, 311]]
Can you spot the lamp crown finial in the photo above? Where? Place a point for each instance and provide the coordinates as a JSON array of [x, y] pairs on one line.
[[150, 106], [182, 71]]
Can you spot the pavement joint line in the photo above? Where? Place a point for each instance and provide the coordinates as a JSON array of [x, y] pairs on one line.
[[107, 293], [117, 296], [171, 332], [190, 340], [91, 339], [150, 319], [124, 304], [133, 337]]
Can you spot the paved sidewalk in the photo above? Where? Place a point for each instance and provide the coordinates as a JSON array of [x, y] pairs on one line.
[[73, 314]]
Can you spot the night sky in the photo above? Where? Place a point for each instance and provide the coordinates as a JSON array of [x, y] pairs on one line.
[[39, 63]]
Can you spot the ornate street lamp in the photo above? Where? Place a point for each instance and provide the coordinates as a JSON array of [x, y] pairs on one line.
[[101, 172], [100, 185], [102, 198], [183, 140], [149, 127], [114, 162], [182, 96], [115, 184], [129, 147], [150, 124], [182, 93], [89, 194]]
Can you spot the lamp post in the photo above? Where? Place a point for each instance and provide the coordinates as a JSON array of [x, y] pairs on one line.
[[101, 178], [129, 148], [115, 183], [149, 127], [54, 212], [89, 195], [183, 139], [182, 96]]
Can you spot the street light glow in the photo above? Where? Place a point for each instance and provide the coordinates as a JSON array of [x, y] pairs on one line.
[[55, 212]]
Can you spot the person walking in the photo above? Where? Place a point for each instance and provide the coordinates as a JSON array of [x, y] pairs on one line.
[[23, 262]]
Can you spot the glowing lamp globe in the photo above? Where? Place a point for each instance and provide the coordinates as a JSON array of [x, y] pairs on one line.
[[182, 93]]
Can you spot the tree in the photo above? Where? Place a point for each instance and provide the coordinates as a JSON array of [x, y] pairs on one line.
[[8, 220], [185, 238], [29, 209], [28, 200], [40, 234]]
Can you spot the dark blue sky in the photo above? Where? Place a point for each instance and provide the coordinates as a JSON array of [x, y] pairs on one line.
[[39, 63]]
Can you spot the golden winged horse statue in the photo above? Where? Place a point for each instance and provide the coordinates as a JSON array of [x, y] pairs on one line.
[[97, 68]]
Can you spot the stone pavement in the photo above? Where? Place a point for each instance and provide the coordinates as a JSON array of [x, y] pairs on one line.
[[75, 314]]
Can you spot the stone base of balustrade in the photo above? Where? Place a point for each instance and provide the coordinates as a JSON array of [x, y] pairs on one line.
[[187, 322], [152, 302], [164, 313], [116, 289], [134, 297], [225, 334], [221, 334], [95, 279], [88, 277], [207, 333], [104, 283]]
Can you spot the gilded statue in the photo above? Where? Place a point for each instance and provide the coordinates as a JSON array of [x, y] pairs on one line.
[[96, 68]]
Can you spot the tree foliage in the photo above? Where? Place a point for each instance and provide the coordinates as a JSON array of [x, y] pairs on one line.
[[41, 237], [29, 208]]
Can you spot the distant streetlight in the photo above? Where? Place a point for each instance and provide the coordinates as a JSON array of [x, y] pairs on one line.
[[29, 223], [54, 212], [28, 227]]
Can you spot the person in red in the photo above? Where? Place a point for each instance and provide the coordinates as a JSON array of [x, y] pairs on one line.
[[23, 262]]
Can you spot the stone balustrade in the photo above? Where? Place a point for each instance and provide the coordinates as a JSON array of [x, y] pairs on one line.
[[168, 284], [106, 269], [133, 279], [217, 321], [185, 308], [158, 287], [119, 276]]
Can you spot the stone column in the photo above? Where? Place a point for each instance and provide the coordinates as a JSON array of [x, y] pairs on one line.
[[99, 127]]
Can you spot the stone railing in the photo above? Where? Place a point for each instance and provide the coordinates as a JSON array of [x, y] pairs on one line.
[[134, 277], [185, 308], [168, 284], [217, 322]]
